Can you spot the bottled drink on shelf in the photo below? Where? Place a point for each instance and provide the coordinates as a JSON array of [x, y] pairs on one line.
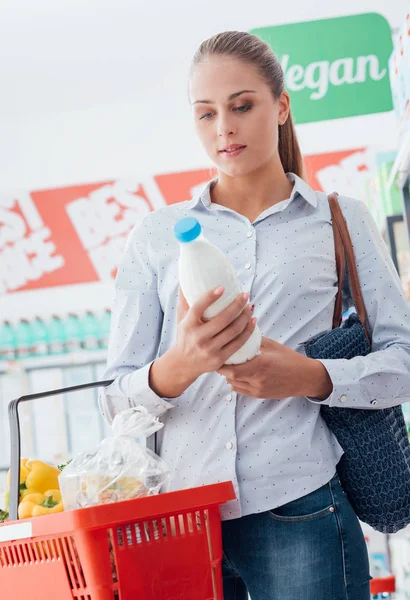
[[35, 337], [40, 337], [57, 336], [24, 339], [8, 342], [89, 330], [73, 333], [105, 323]]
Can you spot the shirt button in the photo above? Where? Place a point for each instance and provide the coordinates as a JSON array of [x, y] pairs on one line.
[[248, 266], [229, 397], [343, 398], [249, 234], [373, 402], [229, 446]]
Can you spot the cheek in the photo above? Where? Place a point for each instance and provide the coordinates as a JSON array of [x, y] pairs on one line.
[[265, 134], [206, 137]]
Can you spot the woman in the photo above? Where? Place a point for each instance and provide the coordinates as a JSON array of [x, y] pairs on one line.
[[292, 532]]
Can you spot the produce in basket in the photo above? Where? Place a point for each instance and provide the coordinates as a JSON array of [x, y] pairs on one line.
[[120, 469], [37, 504], [36, 477]]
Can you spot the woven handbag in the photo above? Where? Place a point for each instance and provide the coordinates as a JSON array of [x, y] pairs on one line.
[[375, 467]]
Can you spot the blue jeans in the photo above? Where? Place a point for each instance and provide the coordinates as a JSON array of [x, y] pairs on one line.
[[310, 549]]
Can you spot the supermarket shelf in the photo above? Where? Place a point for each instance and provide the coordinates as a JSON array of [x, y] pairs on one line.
[[403, 534], [401, 166], [58, 360]]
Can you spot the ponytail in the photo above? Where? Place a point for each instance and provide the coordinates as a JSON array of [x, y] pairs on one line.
[[289, 150]]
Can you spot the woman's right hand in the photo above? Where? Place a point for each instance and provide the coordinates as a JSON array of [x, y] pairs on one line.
[[204, 346]]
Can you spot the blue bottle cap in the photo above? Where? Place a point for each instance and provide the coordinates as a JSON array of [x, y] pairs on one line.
[[187, 229]]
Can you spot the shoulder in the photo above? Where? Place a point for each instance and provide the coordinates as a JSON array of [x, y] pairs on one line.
[[168, 213], [363, 229], [159, 221], [351, 207]]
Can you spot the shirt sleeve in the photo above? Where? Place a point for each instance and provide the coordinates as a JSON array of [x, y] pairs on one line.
[[382, 378], [135, 333]]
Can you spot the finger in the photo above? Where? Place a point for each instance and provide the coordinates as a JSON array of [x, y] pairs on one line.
[[245, 383], [233, 330], [239, 341], [206, 300], [183, 305], [239, 372], [225, 371], [228, 315], [242, 371], [243, 390]]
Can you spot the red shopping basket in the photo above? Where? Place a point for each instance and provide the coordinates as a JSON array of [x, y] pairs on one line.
[[164, 547], [383, 585]]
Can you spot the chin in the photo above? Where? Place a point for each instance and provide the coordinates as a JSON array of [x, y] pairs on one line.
[[238, 170]]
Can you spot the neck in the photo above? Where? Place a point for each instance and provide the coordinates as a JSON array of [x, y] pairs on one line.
[[253, 193]]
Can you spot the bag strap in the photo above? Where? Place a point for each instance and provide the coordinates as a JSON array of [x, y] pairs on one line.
[[344, 252]]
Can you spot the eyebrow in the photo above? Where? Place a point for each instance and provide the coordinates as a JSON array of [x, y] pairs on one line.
[[231, 97]]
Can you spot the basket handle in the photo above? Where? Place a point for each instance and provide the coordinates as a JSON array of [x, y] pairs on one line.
[[15, 438]]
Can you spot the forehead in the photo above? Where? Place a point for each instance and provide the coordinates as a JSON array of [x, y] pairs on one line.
[[217, 77]]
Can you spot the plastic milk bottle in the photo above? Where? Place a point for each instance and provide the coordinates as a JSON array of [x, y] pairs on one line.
[[203, 267]]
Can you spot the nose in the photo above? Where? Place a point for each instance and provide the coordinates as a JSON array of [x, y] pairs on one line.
[[225, 126]]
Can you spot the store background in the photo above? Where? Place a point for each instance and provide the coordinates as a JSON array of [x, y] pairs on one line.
[[95, 128]]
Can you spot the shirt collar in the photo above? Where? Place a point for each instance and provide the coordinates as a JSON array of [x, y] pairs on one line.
[[300, 188]]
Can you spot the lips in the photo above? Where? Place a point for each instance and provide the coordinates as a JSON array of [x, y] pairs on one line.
[[233, 148]]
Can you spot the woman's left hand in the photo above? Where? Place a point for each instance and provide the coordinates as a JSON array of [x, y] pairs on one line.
[[279, 372]]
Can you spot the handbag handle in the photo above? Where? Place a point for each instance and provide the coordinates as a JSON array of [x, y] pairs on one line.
[[344, 252]]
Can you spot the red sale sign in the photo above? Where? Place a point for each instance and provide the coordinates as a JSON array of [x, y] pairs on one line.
[[77, 234], [68, 235]]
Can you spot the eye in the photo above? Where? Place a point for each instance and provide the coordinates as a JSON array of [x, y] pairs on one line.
[[206, 116], [243, 108]]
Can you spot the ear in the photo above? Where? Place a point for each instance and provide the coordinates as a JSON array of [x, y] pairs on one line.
[[283, 108]]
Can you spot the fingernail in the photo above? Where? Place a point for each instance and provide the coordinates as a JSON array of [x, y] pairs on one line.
[[219, 290], [245, 295], [253, 321]]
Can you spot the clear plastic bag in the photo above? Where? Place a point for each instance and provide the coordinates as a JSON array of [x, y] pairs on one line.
[[120, 469]]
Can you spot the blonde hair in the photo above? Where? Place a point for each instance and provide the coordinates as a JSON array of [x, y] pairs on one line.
[[248, 47]]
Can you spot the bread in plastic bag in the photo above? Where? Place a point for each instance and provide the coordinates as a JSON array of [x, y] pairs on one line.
[[120, 469]]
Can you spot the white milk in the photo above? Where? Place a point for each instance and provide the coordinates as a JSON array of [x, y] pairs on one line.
[[203, 267]]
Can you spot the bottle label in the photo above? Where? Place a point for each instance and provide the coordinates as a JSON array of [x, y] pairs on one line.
[[56, 347], [73, 345], [7, 354], [91, 343], [23, 352], [40, 349]]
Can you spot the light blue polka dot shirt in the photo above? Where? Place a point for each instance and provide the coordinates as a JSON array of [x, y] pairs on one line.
[[273, 451]]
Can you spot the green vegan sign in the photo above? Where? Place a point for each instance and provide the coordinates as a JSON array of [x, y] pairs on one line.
[[334, 68]]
